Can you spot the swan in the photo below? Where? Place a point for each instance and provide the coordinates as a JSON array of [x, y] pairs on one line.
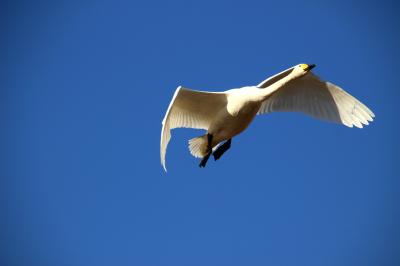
[[226, 114]]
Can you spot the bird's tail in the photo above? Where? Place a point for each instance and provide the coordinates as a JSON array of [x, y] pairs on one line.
[[198, 146]]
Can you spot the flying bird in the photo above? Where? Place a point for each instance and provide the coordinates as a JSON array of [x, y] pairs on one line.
[[226, 114]]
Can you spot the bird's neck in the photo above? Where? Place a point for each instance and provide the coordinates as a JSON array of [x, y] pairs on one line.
[[268, 91]]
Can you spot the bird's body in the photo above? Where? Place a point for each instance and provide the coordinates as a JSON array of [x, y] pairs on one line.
[[227, 114], [240, 110]]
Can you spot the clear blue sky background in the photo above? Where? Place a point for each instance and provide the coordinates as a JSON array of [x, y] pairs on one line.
[[85, 85]]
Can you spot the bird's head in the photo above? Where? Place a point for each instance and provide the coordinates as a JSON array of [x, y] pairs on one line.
[[303, 69]]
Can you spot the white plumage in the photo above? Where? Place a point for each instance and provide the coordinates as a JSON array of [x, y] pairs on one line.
[[226, 114]]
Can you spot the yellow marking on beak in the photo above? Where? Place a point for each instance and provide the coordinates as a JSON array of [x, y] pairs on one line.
[[304, 67]]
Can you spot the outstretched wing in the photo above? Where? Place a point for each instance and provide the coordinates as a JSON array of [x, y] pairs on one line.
[[190, 109], [319, 99]]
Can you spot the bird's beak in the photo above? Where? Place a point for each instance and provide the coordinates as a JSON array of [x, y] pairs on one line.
[[311, 67]]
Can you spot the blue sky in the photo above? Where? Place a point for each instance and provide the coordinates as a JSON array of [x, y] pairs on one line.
[[85, 86]]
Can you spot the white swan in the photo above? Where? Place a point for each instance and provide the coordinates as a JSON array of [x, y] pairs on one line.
[[226, 114]]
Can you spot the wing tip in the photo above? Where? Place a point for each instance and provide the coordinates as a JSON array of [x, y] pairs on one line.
[[357, 123], [163, 164]]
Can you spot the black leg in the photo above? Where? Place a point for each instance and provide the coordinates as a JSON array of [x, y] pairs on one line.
[[209, 151], [204, 160], [222, 149], [209, 141]]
